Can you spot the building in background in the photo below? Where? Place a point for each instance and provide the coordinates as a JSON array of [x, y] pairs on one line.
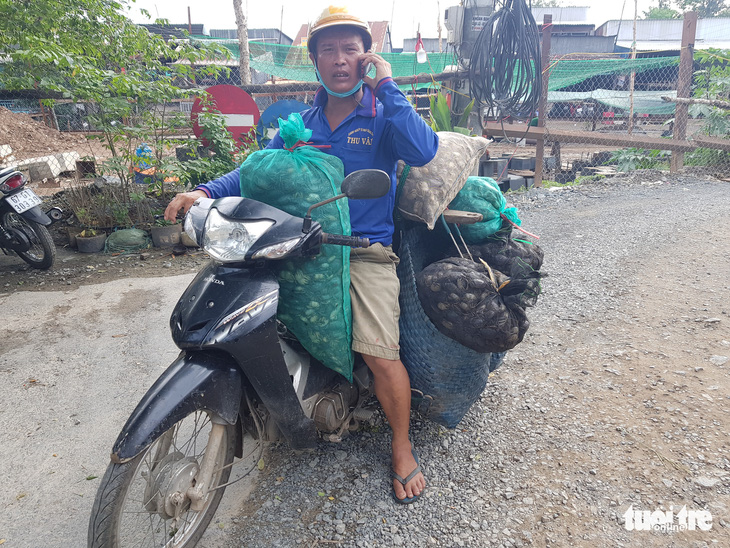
[[175, 31], [665, 35], [380, 30], [268, 36]]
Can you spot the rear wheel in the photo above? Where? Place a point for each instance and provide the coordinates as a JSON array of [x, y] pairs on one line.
[[143, 503], [42, 251]]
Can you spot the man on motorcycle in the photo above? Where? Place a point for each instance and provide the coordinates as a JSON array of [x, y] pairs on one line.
[[367, 123]]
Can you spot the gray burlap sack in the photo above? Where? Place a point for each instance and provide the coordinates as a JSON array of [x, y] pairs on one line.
[[428, 190]]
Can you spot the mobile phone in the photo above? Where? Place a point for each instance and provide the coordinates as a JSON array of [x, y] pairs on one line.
[[365, 69]]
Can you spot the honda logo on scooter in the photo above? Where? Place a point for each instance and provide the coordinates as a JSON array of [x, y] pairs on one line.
[[213, 279]]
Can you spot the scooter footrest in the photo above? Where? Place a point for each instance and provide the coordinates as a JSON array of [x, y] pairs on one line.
[[362, 414]]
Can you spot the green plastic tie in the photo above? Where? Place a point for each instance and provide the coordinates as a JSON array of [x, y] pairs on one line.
[[293, 130]]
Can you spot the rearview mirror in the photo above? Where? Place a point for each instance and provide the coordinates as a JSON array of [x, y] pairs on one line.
[[366, 184]]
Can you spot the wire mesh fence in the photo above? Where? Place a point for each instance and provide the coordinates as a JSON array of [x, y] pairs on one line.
[[604, 113], [100, 139], [613, 98], [621, 113]]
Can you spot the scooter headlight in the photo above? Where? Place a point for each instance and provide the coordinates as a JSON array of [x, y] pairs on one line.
[[195, 218], [228, 241], [277, 251]]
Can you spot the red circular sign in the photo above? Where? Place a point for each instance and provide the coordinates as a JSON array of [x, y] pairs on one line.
[[240, 110]]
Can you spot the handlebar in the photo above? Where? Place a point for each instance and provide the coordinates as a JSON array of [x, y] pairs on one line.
[[349, 241]]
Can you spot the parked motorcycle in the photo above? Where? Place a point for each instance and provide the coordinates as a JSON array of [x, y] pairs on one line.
[[240, 379], [23, 223]]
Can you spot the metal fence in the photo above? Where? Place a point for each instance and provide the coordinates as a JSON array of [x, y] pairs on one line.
[[283, 80], [605, 114], [600, 114]]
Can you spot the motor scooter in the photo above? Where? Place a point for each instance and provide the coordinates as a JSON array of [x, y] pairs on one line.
[[22, 222], [240, 378]]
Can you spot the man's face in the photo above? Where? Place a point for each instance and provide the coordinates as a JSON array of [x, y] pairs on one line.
[[337, 58]]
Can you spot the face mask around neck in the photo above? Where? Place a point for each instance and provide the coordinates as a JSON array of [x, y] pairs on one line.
[[336, 94]]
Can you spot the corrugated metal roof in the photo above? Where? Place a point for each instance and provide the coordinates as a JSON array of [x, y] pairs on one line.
[[715, 29], [259, 35], [566, 14], [174, 31], [672, 45], [381, 39], [431, 45]]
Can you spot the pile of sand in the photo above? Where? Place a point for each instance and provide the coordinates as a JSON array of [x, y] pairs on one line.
[[29, 138]]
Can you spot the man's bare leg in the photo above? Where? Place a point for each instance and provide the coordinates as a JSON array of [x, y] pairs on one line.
[[393, 389]]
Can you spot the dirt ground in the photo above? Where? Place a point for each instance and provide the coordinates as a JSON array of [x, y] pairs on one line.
[[651, 394], [73, 269], [596, 412]]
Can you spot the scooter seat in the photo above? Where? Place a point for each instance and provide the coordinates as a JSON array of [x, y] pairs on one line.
[[5, 170]]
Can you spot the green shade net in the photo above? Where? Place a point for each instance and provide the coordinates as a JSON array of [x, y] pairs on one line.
[[645, 102], [292, 62], [571, 72]]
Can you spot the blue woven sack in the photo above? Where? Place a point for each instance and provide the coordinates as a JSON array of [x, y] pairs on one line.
[[446, 377]]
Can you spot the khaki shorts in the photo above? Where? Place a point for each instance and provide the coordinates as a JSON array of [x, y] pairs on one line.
[[374, 289]]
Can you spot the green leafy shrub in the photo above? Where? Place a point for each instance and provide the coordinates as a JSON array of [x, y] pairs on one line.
[[222, 154], [632, 158]]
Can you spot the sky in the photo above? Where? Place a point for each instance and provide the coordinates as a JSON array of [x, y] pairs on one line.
[[405, 15]]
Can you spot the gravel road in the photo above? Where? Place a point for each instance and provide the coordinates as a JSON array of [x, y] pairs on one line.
[[617, 400]]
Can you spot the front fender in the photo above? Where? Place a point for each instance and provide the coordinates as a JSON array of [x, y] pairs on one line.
[[194, 381], [37, 215]]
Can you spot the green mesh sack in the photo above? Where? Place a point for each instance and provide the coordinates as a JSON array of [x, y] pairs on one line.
[[314, 299], [482, 195], [127, 240]]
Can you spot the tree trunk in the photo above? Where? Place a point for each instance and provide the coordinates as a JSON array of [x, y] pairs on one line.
[[242, 25]]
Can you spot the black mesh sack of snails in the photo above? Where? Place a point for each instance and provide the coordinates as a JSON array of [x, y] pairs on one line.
[[503, 248], [478, 307]]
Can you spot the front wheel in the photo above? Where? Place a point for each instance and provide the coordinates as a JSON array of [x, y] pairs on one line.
[[42, 251], [144, 502]]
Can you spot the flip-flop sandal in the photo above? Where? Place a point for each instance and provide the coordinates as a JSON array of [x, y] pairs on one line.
[[416, 470]]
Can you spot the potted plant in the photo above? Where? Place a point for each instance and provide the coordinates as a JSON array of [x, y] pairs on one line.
[[165, 234], [90, 241], [72, 232]]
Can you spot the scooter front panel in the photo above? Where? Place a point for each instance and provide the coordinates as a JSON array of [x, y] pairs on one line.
[[223, 303]]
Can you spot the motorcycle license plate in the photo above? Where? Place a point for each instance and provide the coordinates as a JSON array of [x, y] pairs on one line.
[[24, 200]]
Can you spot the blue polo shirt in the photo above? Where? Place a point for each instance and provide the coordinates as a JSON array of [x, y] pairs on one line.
[[381, 130]]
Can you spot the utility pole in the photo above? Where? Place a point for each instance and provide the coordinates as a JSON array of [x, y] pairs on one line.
[[438, 23], [684, 85], [632, 80], [244, 68], [547, 33]]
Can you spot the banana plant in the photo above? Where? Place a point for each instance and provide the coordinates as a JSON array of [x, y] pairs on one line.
[[443, 120]]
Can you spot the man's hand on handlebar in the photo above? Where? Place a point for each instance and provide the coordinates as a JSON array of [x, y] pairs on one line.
[[183, 201]]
